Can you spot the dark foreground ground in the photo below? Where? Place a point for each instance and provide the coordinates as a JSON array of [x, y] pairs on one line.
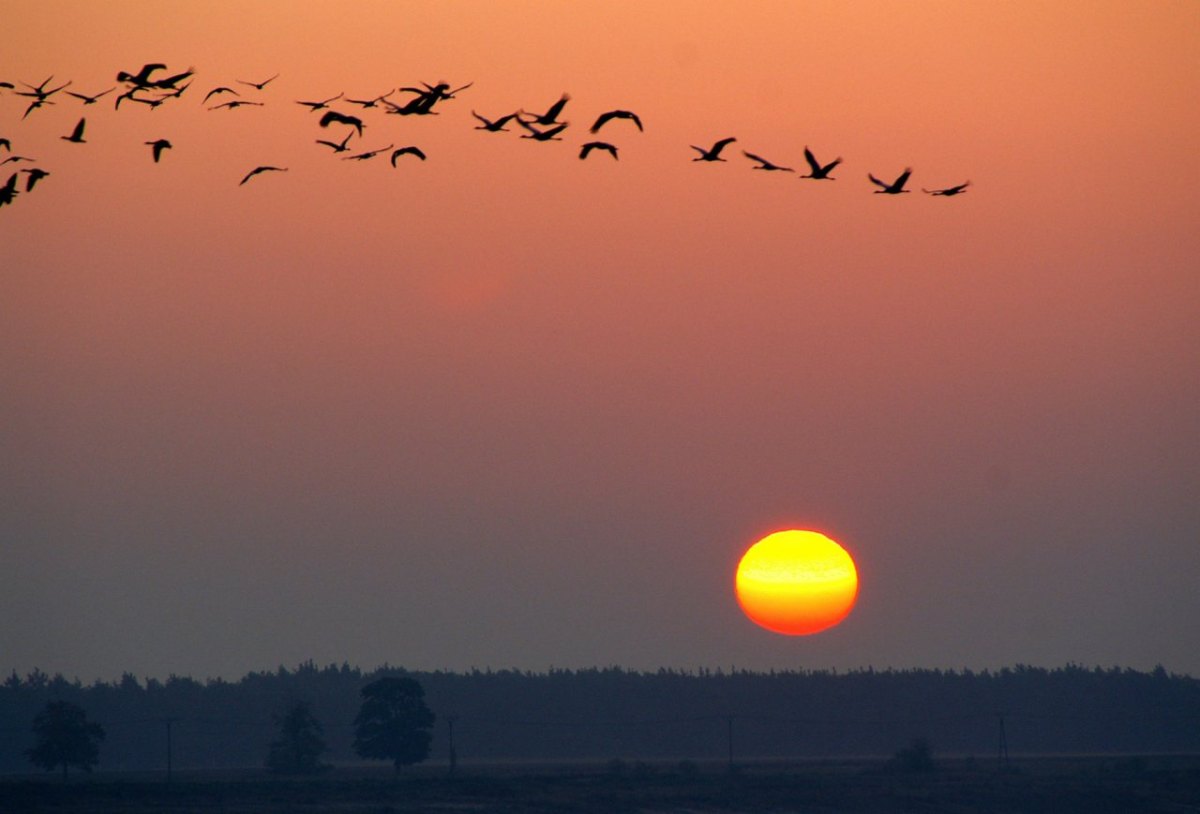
[[1121, 785]]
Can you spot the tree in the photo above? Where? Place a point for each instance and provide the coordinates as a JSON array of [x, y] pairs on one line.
[[916, 757], [300, 744], [65, 738], [393, 723]]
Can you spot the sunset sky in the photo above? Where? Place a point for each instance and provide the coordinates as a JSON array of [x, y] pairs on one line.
[[508, 408]]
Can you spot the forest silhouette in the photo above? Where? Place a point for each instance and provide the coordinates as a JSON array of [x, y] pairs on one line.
[[613, 713]]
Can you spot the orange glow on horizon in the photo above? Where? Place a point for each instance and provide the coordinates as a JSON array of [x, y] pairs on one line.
[[796, 582]]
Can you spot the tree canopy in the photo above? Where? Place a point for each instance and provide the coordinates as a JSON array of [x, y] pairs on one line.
[[300, 744], [393, 723], [65, 738]]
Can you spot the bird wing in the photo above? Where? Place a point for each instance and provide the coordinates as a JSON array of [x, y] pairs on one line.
[[812, 160], [555, 109], [760, 160], [903, 179], [77, 133], [877, 182], [603, 118]]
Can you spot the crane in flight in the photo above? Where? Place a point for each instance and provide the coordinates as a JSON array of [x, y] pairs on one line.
[[817, 170], [764, 164], [894, 188], [713, 153], [948, 191]]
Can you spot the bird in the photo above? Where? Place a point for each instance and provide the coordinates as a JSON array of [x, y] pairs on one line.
[[764, 164], [894, 188], [542, 135], [597, 145], [367, 155], [496, 126], [338, 146], [158, 145], [76, 134], [333, 116], [17, 159], [35, 174], [216, 90], [39, 92], [713, 153], [948, 191], [616, 114], [6, 144], [417, 151], [819, 172], [153, 103], [234, 104], [177, 92], [34, 105], [365, 103], [257, 170], [9, 190], [142, 78], [90, 100], [259, 85], [551, 115], [315, 106], [170, 82]]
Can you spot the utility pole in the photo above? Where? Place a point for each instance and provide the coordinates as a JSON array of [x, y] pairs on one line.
[[169, 722], [729, 739], [1002, 751], [450, 719]]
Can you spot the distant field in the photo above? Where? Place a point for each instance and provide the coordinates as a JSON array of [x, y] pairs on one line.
[[1169, 784]]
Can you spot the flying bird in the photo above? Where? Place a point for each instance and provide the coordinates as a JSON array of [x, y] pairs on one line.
[[257, 170], [170, 82], [713, 153], [948, 191], [39, 92], [616, 114], [215, 91], [496, 126], [597, 145], [542, 135], [818, 171], [551, 115], [177, 92], [90, 100], [333, 116], [158, 145], [894, 188], [17, 159], [142, 78], [367, 155], [76, 134], [315, 106], [35, 174], [338, 146], [407, 151], [234, 104], [764, 164], [259, 85], [365, 103], [9, 190]]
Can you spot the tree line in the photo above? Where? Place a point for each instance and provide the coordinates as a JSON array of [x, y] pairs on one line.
[[605, 713]]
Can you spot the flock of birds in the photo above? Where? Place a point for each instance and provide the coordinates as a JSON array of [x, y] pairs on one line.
[[150, 87]]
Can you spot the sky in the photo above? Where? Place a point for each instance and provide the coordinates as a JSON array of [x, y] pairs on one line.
[[506, 408]]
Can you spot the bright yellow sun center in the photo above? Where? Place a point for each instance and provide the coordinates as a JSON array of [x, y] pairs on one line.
[[796, 582]]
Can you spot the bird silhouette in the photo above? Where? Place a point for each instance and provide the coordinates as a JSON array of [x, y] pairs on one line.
[[410, 150], [153, 102], [158, 145], [39, 92], [764, 164], [496, 126], [215, 91], [338, 146], [894, 188], [259, 85], [141, 79], [9, 191], [551, 115], [713, 153], [332, 117], [234, 104], [35, 174], [948, 191], [818, 171], [315, 106], [369, 154], [616, 114], [176, 92], [17, 159], [89, 100], [260, 169], [6, 144], [542, 135], [597, 145], [365, 103], [76, 134]]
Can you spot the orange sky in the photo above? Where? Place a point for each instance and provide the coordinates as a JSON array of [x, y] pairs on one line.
[[505, 407]]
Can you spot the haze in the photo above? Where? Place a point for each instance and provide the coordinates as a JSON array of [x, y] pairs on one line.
[[508, 408]]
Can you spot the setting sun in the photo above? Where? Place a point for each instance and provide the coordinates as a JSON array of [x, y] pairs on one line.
[[796, 582]]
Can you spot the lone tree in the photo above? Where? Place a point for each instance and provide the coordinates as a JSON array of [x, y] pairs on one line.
[[393, 723], [300, 744], [65, 738]]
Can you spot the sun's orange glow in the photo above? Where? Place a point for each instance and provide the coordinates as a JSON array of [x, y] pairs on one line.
[[796, 582]]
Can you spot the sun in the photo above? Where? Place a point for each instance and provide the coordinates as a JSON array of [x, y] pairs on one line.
[[796, 582]]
